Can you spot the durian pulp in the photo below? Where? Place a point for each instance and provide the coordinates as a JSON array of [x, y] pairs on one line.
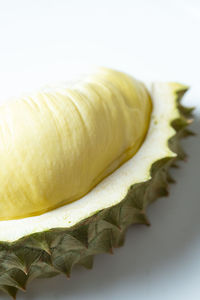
[[56, 145]]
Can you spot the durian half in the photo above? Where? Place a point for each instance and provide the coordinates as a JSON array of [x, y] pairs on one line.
[[80, 162]]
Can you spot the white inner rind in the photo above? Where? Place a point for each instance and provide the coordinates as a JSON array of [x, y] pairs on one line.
[[113, 188]]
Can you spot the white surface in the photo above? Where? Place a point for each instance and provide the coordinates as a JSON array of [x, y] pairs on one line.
[[39, 42]]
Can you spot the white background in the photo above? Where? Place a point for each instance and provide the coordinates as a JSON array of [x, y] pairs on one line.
[[42, 42]]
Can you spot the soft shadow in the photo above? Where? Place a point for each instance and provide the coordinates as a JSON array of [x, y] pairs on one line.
[[175, 227]]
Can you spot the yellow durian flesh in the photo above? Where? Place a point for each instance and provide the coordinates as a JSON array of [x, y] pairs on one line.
[[57, 144]]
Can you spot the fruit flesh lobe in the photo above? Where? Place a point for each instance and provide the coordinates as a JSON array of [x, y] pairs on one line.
[[57, 145]]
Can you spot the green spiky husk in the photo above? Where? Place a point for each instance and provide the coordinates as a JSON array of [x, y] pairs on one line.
[[55, 251]]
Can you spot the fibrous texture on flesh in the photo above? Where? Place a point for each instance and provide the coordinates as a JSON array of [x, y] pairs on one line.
[[57, 145]]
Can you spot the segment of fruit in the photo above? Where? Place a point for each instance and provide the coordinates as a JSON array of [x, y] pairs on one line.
[[53, 242]]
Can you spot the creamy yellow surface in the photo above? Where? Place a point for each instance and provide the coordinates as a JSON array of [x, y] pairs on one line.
[[56, 145]]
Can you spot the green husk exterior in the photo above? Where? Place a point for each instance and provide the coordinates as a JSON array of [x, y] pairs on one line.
[[55, 251]]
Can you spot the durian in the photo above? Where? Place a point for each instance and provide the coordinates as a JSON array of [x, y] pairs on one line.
[[80, 162]]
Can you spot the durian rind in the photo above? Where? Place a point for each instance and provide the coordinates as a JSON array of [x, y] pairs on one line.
[[57, 250]]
